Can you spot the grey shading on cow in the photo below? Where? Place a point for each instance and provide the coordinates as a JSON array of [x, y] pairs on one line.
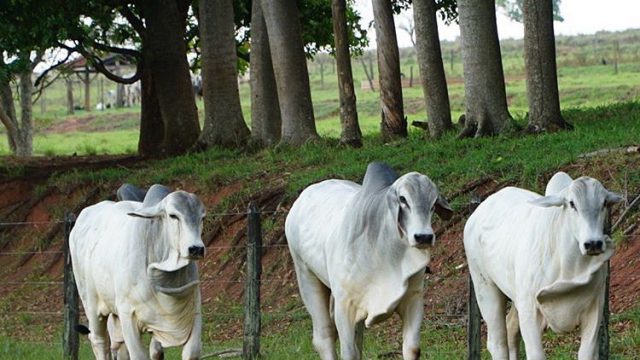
[[546, 254], [129, 192], [135, 268], [360, 254]]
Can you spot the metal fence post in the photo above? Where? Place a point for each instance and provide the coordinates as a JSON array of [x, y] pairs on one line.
[[474, 335], [70, 336], [251, 343]]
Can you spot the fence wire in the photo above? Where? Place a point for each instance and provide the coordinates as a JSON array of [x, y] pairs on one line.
[[28, 316]]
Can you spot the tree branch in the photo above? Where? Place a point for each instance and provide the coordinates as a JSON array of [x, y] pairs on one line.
[[56, 65], [99, 64], [44, 85], [135, 21]]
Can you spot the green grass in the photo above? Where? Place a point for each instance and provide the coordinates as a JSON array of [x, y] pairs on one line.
[[291, 339]]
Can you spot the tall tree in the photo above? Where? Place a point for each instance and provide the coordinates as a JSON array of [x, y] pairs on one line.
[[485, 95], [265, 112], [351, 134], [166, 55], [224, 124], [19, 130], [540, 65], [156, 29], [291, 73], [8, 115], [394, 124], [432, 76]]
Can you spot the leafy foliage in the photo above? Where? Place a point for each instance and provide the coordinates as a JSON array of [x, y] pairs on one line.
[[513, 9]]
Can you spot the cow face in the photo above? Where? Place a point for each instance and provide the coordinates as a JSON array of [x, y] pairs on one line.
[[585, 202], [182, 214], [416, 199], [185, 214]]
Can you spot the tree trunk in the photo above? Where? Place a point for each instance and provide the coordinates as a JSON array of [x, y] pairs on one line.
[[8, 111], [434, 82], [70, 109], [291, 73], [394, 124], [485, 95], [223, 124], [151, 141], [351, 134], [87, 90], [265, 113], [24, 143], [540, 64], [166, 56]]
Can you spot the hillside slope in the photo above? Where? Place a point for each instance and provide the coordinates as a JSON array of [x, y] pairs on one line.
[[31, 240]]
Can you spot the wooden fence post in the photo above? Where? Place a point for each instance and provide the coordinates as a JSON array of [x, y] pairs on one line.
[[603, 333], [474, 335], [251, 343], [474, 338], [70, 336]]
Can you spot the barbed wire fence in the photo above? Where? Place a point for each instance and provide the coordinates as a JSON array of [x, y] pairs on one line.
[[252, 312]]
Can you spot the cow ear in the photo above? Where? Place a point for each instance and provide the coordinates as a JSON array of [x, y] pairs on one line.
[[443, 209], [147, 213], [548, 201], [612, 198]]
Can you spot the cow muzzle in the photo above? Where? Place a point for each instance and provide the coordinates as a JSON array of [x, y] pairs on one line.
[[423, 240], [594, 248], [196, 252]]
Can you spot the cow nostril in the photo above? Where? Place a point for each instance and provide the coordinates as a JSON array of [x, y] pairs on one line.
[[593, 245], [424, 238], [196, 251]]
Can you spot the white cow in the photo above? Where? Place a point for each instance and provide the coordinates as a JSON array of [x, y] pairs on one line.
[[360, 254], [546, 254], [137, 262]]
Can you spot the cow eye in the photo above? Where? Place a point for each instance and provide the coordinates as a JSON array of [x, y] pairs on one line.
[[403, 200], [573, 206], [174, 216]]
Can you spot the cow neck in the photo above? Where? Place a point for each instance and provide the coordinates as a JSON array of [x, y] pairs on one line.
[[375, 224], [564, 250], [164, 265]]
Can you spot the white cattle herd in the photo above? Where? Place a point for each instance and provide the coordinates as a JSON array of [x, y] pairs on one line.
[[360, 254]]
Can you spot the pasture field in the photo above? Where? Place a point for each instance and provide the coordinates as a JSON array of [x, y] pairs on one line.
[[603, 106], [583, 82]]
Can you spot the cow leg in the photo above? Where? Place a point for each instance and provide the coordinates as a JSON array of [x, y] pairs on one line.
[[359, 336], [531, 327], [131, 335], [156, 352], [316, 298], [411, 310], [513, 333], [98, 335], [589, 331], [192, 349], [346, 326], [492, 304]]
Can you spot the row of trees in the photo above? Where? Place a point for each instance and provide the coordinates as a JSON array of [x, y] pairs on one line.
[[277, 37]]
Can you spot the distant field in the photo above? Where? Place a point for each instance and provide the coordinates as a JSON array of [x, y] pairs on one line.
[[583, 81]]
